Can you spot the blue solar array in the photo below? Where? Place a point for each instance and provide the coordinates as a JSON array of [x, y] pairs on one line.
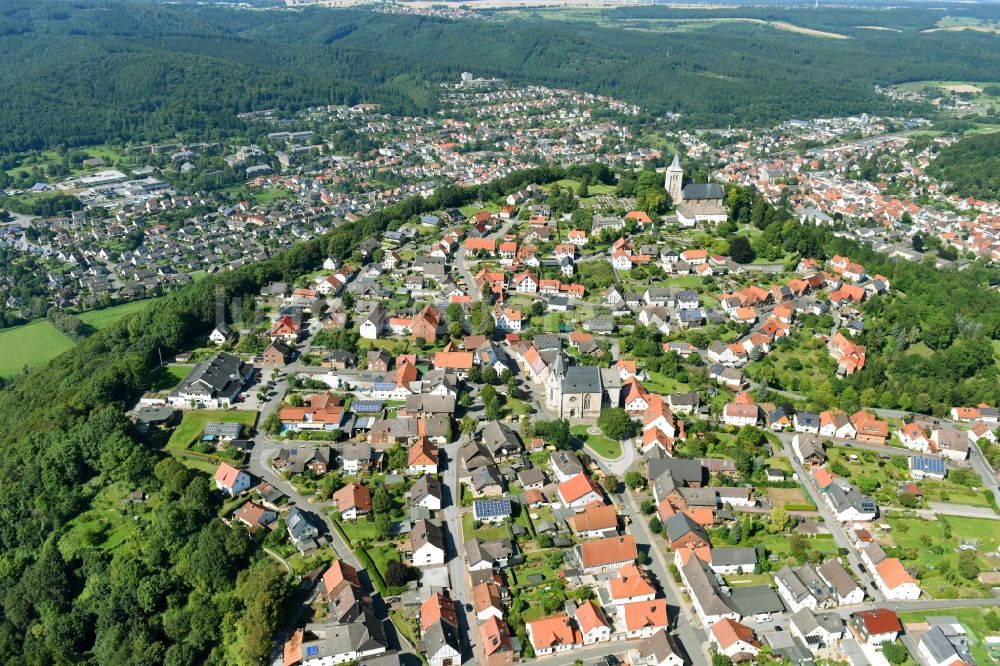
[[491, 508], [927, 465]]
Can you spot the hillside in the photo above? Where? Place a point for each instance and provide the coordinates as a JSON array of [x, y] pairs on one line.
[[971, 166], [77, 74]]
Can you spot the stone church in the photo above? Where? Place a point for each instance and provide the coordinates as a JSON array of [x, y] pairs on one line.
[[578, 391]]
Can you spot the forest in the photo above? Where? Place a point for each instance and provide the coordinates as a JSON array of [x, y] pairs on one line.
[[182, 588], [970, 166], [76, 74]]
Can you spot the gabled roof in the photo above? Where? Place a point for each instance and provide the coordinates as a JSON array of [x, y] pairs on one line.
[[589, 617], [595, 516], [353, 496], [879, 621], [608, 551], [425, 532], [630, 583], [576, 487], [226, 475], [495, 635], [551, 631], [727, 632], [436, 608], [643, 614]]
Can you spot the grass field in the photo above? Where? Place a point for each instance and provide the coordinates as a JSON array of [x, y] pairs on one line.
[[104, 526], [30, 345], [659, 383], [107, 316], [604, 446], [260, 195], [193, 423], [169, 377]]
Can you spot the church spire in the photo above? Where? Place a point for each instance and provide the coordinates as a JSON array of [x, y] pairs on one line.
[[676, 164]]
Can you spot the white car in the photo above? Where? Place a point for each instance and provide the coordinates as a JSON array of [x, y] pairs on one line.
[[762, 618]]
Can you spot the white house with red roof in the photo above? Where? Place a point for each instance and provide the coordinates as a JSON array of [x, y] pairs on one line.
[[230, 480]]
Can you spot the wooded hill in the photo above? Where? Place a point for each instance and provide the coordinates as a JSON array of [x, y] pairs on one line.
[[79, 74], [971, 166]]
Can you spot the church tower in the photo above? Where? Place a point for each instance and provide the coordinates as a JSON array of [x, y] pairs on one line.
[[674, 180], [554, 383]]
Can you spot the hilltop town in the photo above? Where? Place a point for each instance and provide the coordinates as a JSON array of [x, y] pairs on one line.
[[553, 426]]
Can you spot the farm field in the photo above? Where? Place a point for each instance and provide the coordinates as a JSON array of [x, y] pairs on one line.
[[32, 345]]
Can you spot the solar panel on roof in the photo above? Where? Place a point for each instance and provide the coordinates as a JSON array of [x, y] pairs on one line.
[[492, 508]]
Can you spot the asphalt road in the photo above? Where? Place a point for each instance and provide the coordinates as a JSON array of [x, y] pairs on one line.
[[687, 628]]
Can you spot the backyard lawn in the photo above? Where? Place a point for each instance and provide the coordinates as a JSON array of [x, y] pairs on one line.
[[193, 424], [603, 446], [169, 376], [928, 549], [382, 555], [30, 345], [356, 530], [485, 531], [657, 382]]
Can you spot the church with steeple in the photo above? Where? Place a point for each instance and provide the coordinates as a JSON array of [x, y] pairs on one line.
[[695, 202], [674, 180]]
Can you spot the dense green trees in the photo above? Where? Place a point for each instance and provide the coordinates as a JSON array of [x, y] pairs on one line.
[[971, 166], [147, 72]]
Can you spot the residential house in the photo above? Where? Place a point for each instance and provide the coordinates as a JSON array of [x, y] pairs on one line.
[[426, 492], [427, 547], [847, 591], [255, 516], [876, 626], [709, 600], [849, 505], [657, 650], [734, 640], [353, 501], [422, 457], [594, 627], [641, 619], [303, 528], [803, 587], [816, 630], [481, 555], [230, 480], [553, 634], [607, 554], [496, 642], [335, 643], [951, 444], [630, 586], [938, 648], [487, 601], [579, 491], [356, 458], [441, 644], [597, 520], [683, 532]]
